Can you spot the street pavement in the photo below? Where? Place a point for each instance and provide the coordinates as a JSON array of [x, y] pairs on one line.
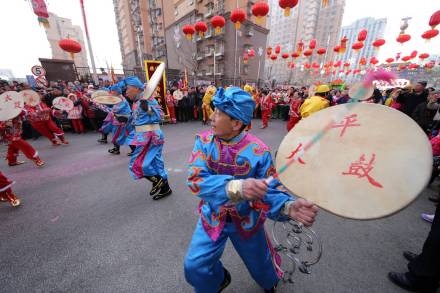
[[86, 226]]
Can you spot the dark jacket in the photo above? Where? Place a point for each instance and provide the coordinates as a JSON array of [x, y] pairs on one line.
[[410, 101]]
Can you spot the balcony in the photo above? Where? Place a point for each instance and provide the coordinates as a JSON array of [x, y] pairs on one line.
[[199, 74], [208, 54], [250, 33], [220, 53], [208, 14], [209, 73]]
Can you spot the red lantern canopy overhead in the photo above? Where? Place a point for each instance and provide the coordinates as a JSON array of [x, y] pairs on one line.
[[413, 54], [277, 49], [378, 43], [273, 57], [260, 10], [285, 55], [362, 36], [357, 46], [201, 27], [406, 58], [218, 22], [390, 60], [308, 53], [188, 30], [424, 56], [238, 16], [435, 19], [70, 46], [287, 5], [321, 51], [312, 44], [295, 55], [403, 38], [429, 34]]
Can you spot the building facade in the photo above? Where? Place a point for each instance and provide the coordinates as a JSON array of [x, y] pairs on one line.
[[62, 28], [141, 31], [376, 30], [214, 58], [308, 20]]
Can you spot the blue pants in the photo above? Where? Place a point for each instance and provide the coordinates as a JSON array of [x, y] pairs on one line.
[[147, 160], [204, 270]]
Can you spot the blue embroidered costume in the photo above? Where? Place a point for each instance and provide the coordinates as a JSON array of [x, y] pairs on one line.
[[214, 163]]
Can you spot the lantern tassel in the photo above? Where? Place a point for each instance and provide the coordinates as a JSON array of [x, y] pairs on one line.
[[287, 11], [189, 37], [218, 30], [237, 25], [324, 3], [72, 55], [259, 20]]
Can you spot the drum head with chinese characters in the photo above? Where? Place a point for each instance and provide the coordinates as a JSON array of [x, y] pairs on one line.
[[30, 97], [11, 104], [372, 162], [62, 103]]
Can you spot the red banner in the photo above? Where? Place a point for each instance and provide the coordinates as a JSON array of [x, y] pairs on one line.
[[150, 67]]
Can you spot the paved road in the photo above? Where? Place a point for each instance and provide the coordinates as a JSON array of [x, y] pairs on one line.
[[85, 226]]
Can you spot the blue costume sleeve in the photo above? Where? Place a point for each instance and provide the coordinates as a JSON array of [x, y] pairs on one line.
[[276, 195], [207, 186]]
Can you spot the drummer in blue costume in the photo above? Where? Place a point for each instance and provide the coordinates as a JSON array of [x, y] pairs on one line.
[[119, 117], [145, 133], [227, 170]]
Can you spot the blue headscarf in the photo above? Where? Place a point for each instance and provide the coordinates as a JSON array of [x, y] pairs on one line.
[[235, 102], [116, 88], [134, 81]]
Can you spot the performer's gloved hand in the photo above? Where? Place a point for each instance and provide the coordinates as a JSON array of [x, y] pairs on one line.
[[253, 189], [302, 211], [122, 119], [144, 105]]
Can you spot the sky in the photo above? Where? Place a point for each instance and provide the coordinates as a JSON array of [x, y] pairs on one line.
[[24, 41]]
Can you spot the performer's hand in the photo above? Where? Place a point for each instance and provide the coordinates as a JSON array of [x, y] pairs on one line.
[[303, 211], [254, 189]]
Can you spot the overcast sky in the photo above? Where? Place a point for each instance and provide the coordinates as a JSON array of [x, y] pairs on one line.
[[24, 41]]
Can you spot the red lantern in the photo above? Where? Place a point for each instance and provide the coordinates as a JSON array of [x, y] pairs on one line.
[[337, 49], [201, 28], [251, 53], [402, 67], [337, 64], [277, 49], [378, 43], [300, 47], [362, 36], [363, 61], [295, 55], [413, 54], [423, 56], [273, 57], [260, 10], [287, 5], [269, 51], [218, 22], [315, 65], [348, 72], [357, 46], [188, 30], [307, 66], [308, 53], [343, 45], [403, 38], [406, 58], [390, 60], [312, 44], [70, 46], [245, 58], [321, 51], [285, 55], [40, 9], [429, 66], [429, 34], [347, 64], [435, 19], [413, 66], [238, 16], [374, 60]]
